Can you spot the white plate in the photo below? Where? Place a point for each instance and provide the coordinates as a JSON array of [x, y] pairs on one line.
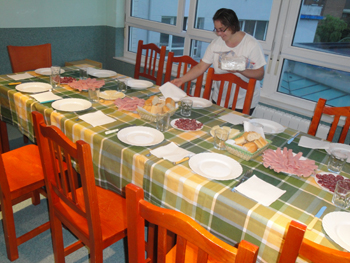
[[337, 227], [269, 127], [140, 136], [33, 87], [200, 103], [215, 166], [324, 188], [102, 73], [71, 104], [111, 94], [341, 147], [46, 71], [172, 123], [139, 84]]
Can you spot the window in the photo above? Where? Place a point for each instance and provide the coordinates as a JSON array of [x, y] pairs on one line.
[[306, 43]]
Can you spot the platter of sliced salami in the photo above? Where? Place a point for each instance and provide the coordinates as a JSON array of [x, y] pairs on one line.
[[327, 181]]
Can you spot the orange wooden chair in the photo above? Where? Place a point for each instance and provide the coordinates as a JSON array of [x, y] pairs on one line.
[[295, 244], [184, 64], [153, 52], [230, 79], [25, 58], [192, 242], [5, 144], [337, 112], [96, 216], [21, 178]]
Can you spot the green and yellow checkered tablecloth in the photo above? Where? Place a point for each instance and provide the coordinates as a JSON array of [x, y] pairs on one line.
[[229, 215]]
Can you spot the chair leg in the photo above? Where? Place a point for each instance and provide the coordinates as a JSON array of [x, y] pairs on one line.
[[36, 197], [57, 239], [96, 254], [25, 139], [8, 222]]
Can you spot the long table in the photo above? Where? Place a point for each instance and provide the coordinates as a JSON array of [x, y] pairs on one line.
[[229, 215]]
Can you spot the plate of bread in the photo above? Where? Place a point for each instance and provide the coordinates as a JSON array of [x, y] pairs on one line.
[[154, 105], [247, 145]]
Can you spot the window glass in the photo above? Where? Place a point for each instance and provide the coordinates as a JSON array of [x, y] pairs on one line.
[[198, 49], [324, 26], [312, 82]]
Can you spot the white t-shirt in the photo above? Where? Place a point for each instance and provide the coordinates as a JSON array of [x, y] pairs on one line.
[[248, 47]]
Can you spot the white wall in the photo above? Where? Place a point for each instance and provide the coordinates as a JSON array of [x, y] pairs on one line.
[[60, 13]]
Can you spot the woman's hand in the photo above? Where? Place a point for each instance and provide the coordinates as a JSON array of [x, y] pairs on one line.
[[176, 82]]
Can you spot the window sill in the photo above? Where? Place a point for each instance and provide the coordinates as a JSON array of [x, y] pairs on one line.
[[125, 59]]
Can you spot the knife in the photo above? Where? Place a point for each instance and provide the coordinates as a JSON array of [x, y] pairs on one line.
[[317, 216], [292, 139]]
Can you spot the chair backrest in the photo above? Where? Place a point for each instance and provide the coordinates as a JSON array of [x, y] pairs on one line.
[[25, 58], [337, 112], [295, 244], [62, 156], [184, 64], [186, 229], [153, 53], [230, 79]]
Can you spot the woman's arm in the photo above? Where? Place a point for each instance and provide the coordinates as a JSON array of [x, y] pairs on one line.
[[196, 71], [251, 73]]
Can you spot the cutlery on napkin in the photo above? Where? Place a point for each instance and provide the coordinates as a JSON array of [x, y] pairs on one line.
[[317, 216], [20, 76], [233, 118], [97, 118], [292, 139], [46, 97], [171, 152], [260, 191], [170, 90], [313, 143]]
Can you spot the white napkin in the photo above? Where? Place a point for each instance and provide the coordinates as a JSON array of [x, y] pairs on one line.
[[248, 126], [260, 191], [46, 97], [170, 90], [233, 118], [20, 76], [313, 143], [97, 118], [170, 152]]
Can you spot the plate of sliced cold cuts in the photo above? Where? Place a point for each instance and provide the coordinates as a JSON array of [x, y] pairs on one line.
[[288, 162], [184, 124], [86, 84], [327, 181], [129, 103]]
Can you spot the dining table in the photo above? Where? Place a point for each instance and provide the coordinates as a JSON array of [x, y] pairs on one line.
[[229, 215]]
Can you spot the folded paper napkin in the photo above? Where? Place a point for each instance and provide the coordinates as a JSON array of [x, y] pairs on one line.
[[313, 143], [46, 97], [260, 191], [248, 126], [170, 90], [233, 118], [170, 152], [97, 118], [20, 76]]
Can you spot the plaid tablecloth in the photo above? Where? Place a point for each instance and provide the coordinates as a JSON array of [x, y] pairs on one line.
[[229, 215]]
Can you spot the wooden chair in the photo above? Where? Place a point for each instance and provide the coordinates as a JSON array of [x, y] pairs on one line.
[[337, 112], [96, 216], [184, 64], [295, 244], [25, 58], [230, 79], [192, 239], [5, 144], [21, 178], [153, 52]]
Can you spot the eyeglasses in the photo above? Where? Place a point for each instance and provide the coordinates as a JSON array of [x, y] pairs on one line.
[[220, 30]]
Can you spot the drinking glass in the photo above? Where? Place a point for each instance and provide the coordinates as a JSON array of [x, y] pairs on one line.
[[121, 86], [221, 136], [94, 94], [163, 121], [186, 107], [55, 78], [341, 196], [336, 161], [83, 73]]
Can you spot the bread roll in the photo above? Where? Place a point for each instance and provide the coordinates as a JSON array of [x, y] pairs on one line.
[[154, 109], [240, 140], [251, 147], [147, 108], [148, 102], [261, 142], [165, 109], [170, 101], [154, 99], [251, 136]]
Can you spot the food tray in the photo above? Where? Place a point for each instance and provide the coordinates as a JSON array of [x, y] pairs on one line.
[[150, 116], [245, 155]]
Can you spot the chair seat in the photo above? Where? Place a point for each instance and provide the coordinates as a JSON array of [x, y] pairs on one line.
[[190, 254], [19, 175], [112, 208]]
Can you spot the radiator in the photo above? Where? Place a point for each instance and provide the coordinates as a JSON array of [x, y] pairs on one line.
[[289, 120]]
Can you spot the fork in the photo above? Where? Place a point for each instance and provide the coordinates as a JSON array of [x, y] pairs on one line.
[[245, 177]]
